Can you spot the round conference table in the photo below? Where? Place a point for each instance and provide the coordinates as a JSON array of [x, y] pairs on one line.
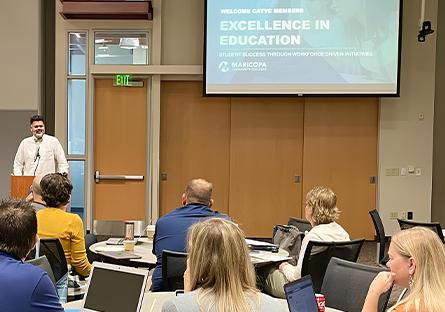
[[144, 248]]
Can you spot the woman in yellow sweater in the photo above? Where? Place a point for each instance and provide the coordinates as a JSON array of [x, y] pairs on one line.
[[54, 221]]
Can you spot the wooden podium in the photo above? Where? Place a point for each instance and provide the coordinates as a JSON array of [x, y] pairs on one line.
[[20, 186]]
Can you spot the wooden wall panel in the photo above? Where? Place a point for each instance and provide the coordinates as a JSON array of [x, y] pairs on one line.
[[265, 155], [251, 149], [195, 136], [340, 151]]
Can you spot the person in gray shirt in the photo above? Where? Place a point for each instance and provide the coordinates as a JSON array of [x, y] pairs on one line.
[[220, 276]]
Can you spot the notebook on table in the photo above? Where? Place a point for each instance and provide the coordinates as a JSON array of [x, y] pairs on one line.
[[259, 245], [300, 295], [120, 241], [114, 288], [120, 254]]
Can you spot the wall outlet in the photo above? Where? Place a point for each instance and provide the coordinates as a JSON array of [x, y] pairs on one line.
[[403, 215], [409, 215], [393, 215]]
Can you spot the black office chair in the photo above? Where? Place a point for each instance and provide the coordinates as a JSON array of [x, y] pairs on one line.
[[174, 265], [434, 226], [302, 224], [53, 250], [90, 239], [43, 263], [346, 285], [318, 254], [380, 232]]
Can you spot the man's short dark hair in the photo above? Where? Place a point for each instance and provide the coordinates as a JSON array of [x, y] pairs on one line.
[[36, 118], [18, 227], [199, 191], [56, 189]]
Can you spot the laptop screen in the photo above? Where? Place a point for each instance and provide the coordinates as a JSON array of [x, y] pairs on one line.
[[114, 290], [300, 295]]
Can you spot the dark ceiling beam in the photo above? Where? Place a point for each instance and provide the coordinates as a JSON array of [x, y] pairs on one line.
[[110, 9]]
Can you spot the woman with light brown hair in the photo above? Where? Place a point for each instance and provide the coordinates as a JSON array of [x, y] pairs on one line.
[[220, 276], [417, 262], [322, 212]]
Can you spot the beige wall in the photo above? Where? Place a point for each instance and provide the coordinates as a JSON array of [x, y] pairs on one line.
[[19, 80], [405, 139], [182, 32], [20, 55]]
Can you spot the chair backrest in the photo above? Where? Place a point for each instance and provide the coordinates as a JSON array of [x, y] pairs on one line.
[[346, 285], [43, 263], [174, 265], [380, 231], [53, 250], [318, 254], [302, 224], [434, 226], [90, 239]]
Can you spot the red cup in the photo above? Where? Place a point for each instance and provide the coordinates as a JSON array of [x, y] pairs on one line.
[[321, 300]]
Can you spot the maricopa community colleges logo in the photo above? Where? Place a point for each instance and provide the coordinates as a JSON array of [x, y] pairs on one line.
[[224, 67]]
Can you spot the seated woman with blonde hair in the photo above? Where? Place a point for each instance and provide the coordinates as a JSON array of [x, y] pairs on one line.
[[322, 212], [417, 262], [220, 276]]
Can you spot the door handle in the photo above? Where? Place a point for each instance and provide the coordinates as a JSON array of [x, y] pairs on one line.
[[98, 177]]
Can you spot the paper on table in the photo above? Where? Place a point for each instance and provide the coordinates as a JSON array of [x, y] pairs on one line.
[[270, 257], [109, 248], [253, 242]]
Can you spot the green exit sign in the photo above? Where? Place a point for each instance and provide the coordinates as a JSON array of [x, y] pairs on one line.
[[123, 80]]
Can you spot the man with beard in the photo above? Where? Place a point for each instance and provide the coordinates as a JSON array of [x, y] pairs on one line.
[[40, 153]]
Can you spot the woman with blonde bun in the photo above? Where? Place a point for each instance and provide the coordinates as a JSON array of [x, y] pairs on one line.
[[220, 276], [416, 262], [322, 212]]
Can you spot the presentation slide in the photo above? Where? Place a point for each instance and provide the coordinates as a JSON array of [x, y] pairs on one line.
[[302, 47]]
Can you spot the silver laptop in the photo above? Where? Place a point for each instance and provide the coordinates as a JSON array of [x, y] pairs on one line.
[[300, 295], [114, 288]]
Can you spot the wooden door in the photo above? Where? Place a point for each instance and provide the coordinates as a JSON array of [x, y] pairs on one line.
[[195, 134], [265, 158], [120, 148], [340, 151]]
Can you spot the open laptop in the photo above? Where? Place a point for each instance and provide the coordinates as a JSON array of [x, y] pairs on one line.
[[114, 288], [300, 295]]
